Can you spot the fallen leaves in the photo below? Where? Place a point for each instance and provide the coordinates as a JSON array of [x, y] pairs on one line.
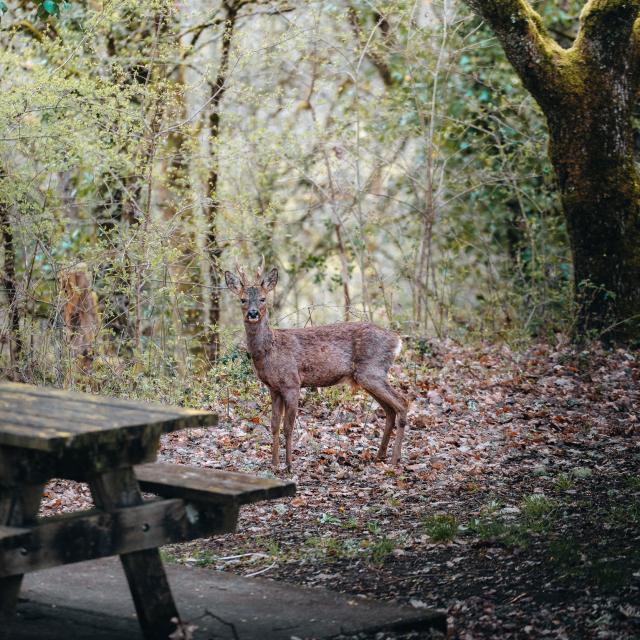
[[488, 426]]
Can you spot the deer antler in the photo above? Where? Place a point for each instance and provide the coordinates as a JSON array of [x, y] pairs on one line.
[[242, 274], [260, 270]]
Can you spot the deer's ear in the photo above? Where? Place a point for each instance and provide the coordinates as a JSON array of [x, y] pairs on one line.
[[233, 282], [270, 280]]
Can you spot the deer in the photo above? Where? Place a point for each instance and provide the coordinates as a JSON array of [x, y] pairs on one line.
[[286, 360]]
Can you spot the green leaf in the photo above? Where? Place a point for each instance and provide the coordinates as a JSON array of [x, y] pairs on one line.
[[326, 518], [50, 7], [3, 7]]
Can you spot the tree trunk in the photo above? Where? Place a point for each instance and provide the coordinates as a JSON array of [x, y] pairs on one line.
[[214, 247], [9, 285], [587, 94], [600, 193]]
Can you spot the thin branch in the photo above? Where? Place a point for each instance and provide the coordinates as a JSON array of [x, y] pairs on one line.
[[376, 59]]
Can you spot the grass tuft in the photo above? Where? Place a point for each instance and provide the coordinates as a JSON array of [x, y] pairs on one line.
[[442, 527]]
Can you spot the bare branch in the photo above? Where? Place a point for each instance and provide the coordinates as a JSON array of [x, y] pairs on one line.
[[374, 56]]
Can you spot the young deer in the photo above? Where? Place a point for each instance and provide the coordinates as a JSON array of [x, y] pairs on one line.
[[285, 360]]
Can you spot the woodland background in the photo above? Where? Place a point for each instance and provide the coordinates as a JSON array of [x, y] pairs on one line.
[[385, 157]]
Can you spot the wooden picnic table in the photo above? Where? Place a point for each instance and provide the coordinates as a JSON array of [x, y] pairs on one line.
[[111, 444]]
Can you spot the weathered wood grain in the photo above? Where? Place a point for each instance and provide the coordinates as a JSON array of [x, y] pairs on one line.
[[145, 574], [54, 420], [209, 485], [11, 532], [52, 433], [76, 537], [77, 416], [18, 508], [73, 397], [47, 434], [19, 466]]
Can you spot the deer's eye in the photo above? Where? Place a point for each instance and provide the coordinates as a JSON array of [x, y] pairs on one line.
[[263, 299], [243, 300]]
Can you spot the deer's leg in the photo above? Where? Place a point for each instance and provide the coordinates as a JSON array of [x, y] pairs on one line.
[[277, 407], [391, 421], [396, 412], [290, 411], [401, 423]]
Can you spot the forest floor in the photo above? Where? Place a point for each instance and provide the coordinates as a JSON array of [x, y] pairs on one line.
[[516, 507]]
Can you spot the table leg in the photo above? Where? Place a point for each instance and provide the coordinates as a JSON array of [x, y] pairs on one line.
[[18, 506], [144, 570]]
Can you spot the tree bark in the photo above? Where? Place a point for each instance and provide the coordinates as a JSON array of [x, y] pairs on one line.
[[587, 94], [80, 315], [9, 284], [214, 247]]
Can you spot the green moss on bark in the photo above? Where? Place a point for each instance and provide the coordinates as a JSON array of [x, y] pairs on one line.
[[588, 93]]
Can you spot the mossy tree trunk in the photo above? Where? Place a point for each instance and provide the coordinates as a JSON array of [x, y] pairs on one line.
[[587, 93]]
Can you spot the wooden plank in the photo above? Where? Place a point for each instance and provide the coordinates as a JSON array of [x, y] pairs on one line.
[[48, 419], [48, 434], [147, 580], [21, 433], [20, 466], [76, 537], [209, 485], [17, 435], [18, 507], [75, 397], [11, 532], [62, 427], [48, 439], [77, 414]]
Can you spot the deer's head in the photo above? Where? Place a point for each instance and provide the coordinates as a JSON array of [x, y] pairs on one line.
[[253, 296]]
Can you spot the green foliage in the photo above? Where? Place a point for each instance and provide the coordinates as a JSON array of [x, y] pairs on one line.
[[49, 8], [332, 548], [581, 473], [565, 552], [633, 482], [373, 527], [563, 482], [350, 523], [535, 515], [537, 511], [416, 169], [326, 518], [441, 527], [205, 558], [380, 549]]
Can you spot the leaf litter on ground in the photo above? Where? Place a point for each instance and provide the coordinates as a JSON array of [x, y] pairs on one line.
[[516, 505]]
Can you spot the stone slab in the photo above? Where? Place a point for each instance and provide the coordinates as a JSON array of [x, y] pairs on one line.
[[91, 601]]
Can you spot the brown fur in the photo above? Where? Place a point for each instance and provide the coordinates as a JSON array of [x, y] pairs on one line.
[[287, 359]]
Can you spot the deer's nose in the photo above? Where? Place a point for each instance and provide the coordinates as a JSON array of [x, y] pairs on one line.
[[253, 314]]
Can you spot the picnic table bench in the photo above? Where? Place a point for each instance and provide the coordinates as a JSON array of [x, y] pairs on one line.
[[111, 444]]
